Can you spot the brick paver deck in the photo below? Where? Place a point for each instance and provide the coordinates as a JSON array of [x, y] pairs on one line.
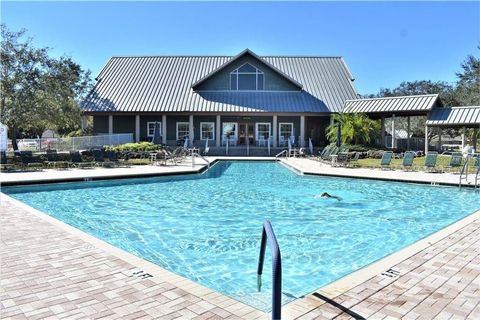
[[440, 282]]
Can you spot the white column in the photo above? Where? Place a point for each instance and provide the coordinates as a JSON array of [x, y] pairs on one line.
[[190, 129], [275, 131], [164, 129], [382, 128], [137, 128], [463, 137], [408, 133], [218, 131], [393, 131], [302, 131], [110, 124], [426, 139], [83, 122]]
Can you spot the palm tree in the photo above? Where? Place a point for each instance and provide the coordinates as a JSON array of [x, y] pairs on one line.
[[356, 128]]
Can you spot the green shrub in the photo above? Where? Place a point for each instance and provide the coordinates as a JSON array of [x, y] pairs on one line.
[[138, 162], [138, 146]]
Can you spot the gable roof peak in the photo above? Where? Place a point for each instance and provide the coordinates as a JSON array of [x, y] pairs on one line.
[[254, 55]]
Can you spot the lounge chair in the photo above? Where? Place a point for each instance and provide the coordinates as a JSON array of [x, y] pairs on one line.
[[52, 159], [341, 161], [4, 165], [113, 158], [455, 161], [386, 159], [26, 158], [431, 161], [99, 159], [77, 161], [408, 157], [353, 162]]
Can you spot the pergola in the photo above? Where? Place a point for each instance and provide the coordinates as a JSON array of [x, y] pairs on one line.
[[456, 117], [392, 107]]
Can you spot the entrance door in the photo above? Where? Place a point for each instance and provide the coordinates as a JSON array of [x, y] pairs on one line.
[[246, 131]]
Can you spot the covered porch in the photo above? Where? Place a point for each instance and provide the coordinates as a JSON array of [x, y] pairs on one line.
[[233, 131]]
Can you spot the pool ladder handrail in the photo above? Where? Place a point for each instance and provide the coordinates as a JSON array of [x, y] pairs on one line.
[[201, 157], [464, 171], [279, 154], [268, 236]]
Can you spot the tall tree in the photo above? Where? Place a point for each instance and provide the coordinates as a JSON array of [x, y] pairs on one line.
[[468, 85], [38, 91]]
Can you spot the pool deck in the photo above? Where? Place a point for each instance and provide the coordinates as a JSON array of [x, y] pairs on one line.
[[52, 270], [314, 167]]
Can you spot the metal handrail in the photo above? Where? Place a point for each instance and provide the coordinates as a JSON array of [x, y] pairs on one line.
[[278, 155], [269, 235], [464, 170], [203, 158]]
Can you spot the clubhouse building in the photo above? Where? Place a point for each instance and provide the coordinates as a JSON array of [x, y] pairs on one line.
[[245, 100]]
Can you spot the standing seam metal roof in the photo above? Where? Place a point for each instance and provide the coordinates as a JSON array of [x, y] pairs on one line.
[[391, 104], [163, 84], [455, 116]]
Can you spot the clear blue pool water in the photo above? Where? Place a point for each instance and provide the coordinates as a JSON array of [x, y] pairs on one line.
[[207, 227]]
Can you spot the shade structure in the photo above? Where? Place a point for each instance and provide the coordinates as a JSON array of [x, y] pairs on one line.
[[339, 135], [157, 137]]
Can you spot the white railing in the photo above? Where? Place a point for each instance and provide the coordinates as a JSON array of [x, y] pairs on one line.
[[74, 143]]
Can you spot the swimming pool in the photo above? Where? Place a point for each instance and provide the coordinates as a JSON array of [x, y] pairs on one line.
[[207, 227]]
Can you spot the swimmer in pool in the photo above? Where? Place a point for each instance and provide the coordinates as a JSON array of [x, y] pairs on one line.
[[325, 195]]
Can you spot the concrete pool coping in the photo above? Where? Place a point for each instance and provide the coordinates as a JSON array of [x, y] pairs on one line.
[[293, 309]]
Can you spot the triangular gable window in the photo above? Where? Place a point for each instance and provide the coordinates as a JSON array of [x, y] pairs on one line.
[[247, 77]]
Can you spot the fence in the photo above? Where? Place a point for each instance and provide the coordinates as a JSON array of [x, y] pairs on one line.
[[74, 143]]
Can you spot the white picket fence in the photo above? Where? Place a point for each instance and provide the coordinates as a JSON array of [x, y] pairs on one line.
[[74, 143]]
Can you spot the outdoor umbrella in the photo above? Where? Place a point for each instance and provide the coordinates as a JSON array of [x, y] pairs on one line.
[[310, 146], [185, 144], [339, 136], [157, 138]]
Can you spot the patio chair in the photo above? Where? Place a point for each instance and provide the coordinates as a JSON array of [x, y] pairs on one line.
[[455, 161], [26, 158], [323, 153], [113, 158], [342, 159], [353, 162], [407, 162], [52, 159], [99, 158], [386, 159], [77, 161], [4, 165], [431, 162]]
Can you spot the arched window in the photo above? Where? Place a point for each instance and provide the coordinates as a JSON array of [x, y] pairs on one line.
[[247, 77]]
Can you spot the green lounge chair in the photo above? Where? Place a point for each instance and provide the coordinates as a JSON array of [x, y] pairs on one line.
[[353, 162], [431, 162], [52, 159], [99, 159], [26, 161], [407, 162], [4, 165], [322, 153], [77, 161], [386, 159], [455, 161]]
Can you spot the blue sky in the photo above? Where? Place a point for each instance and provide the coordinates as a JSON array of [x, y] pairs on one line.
[[383, 43]]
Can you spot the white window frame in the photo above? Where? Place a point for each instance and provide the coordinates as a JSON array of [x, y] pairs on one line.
[[257, 131], [280, 129], [181, 123], [236, 130], [201, 130], [256, 73], [153, 129]]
